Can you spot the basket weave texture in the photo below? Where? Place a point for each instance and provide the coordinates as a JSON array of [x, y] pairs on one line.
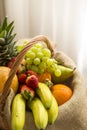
[[72, 114]]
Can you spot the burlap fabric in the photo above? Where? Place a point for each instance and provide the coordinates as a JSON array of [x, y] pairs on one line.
[[72, 114]]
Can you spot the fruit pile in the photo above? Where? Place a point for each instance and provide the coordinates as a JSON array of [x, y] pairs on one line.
[[38, 59], [40, 84]]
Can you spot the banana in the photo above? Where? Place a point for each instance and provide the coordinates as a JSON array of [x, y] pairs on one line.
[[45, 94], [53, 111], [18, 112], [39, 112]]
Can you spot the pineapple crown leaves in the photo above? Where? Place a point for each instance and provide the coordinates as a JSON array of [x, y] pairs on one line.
[[7, 43], [6, 31]]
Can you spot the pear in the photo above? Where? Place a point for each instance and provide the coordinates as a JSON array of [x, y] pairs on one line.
[[66, 73]]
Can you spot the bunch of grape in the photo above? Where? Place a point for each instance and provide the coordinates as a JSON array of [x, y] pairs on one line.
[[39, 59]]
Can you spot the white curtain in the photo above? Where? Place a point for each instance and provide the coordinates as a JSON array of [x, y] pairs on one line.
[[63, 21]]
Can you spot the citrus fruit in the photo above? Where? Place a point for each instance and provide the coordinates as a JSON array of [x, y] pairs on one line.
[[4, 73], [44, 76], [61, 92]]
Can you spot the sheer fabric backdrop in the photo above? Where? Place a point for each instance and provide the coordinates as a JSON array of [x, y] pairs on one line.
[[63, 21]]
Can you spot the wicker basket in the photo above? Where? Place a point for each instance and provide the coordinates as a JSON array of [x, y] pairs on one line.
[[72, 114]]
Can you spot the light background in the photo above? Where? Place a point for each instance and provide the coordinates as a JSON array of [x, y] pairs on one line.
[[63, 21]]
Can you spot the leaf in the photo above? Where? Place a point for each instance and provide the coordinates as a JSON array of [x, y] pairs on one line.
[[0, 29], [11, 38], [4, 25], [3, 33], [9, 30], [10, 26]]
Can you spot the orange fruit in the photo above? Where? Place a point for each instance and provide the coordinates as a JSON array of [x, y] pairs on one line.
[[4, 73], [44, 76], [61, 92]]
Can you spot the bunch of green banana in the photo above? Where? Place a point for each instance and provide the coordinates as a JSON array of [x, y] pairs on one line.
[[44, 108], [18, 112]]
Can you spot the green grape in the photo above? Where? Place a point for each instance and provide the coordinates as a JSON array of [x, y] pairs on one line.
[[25, 42], [34, 68], [53, 68], [44, 59], [46, 52], [42, 65], [36, 61], [57, 72], [27, 53], [30, 54], [38, 45], [49, 62], [29, 61], [19, 48], [34, 49], [55, 61], [39, 54]]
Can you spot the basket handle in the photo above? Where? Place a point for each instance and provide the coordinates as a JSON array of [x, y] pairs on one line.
[[19, 58]]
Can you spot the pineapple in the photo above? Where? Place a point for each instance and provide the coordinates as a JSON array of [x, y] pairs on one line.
[[7, 43]]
